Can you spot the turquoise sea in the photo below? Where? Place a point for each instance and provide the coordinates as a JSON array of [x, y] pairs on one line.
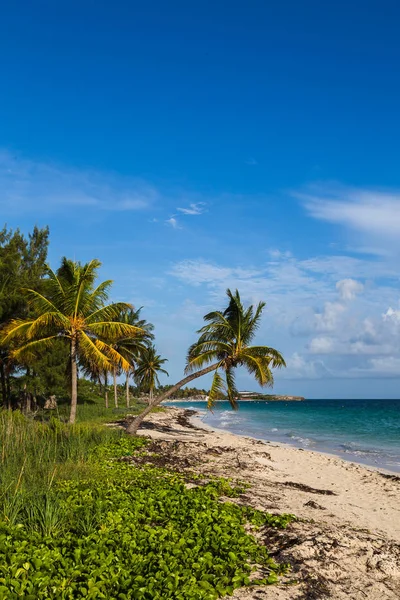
[[363, 431]]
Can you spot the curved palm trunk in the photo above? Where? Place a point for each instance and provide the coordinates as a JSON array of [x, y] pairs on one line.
[[74, 382], [115, 387], [137, 421], [127, 390]]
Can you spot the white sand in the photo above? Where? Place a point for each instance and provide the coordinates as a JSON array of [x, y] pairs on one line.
[[349, 546]]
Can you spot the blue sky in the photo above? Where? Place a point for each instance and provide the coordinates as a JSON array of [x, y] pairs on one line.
[[196, 146]]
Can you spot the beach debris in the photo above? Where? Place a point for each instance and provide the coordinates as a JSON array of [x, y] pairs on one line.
[[307, 488], [313, 504]]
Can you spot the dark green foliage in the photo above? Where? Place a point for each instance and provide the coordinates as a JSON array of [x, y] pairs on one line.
[[22, 264], [187, 392], [113, 530]]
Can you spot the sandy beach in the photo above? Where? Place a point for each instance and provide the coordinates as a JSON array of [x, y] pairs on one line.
[[346, 543]]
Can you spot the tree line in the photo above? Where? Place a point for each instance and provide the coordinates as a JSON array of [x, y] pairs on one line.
[[56, 324]]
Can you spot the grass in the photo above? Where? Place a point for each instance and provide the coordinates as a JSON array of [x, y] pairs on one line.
[[76, 521], [91, 405]]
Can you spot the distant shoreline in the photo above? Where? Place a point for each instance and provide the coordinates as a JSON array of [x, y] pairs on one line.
[[261, 398]]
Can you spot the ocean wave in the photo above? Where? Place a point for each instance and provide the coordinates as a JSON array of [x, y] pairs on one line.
[[353, 448], [227, 422], [302, 440]]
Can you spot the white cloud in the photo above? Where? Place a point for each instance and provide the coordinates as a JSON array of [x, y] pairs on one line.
[[321, 345], [328, 319], [311, 310], [386, 366], [368, 211], [195, 208], [299, 367], [196, 272], [392, 315], [278, 254], [39, 186], [349, 288], [173, 223]]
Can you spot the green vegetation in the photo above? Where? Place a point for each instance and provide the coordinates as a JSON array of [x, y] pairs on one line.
[[65, 315], [78, 522], [72, 309], [78, 517], [148, 366], [22, 264], [186, 392]]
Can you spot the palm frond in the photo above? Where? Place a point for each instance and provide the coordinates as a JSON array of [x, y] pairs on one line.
[[48, 322], [196, 362], [251, 322], [39, 302], [231, 390], [217, 390], [93, 353], [259, 368], [114, 330], [94, 300], [276, 359], [111, 312], [33, 350], [113, 355], [16, 329], [206, 345]]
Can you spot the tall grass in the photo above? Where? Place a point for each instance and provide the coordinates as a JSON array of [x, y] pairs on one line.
[[34, 455]]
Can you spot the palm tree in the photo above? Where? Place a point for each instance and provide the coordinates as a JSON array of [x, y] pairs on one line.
[[131, 346], [224, 345], [148, 367], [73, 309]]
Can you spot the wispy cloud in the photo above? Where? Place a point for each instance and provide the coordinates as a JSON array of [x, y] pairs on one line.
[[368, 211], [39, 186], [251, 162], [195, 208], [172, 222]]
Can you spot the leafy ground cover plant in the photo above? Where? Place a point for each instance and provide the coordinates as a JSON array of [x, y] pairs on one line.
[[123, 531]]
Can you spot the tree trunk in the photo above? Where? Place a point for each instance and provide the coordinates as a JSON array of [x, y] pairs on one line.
[[115, 387], [106, 389], [127, 390], [137, 421], [8, 388], [74, 382], [3, 386]]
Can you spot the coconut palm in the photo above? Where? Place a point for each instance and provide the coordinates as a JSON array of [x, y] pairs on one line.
[[72, 309], [131, 346], [224, 345], [148, 366]]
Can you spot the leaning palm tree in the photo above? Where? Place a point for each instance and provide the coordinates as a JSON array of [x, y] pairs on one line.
[[148, 366], [224, 345], [73, 309]]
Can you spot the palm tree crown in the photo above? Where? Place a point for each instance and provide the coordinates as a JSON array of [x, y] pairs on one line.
[[225, 339], [148, 366], [73, 309], [223, 345]]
